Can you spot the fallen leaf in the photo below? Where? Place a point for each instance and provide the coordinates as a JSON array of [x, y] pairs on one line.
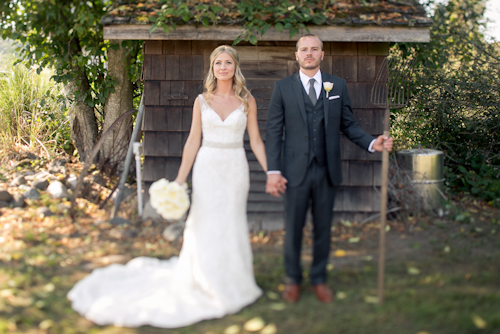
[[269, 329], [423, 332], [354, 239], [478, 321], [233, 329], [278, 306], [330, 267], [339, 253], [341, 295], [371, 299], [346, 223], [446, 249], [254, 324], [413, 271], [281, 287]]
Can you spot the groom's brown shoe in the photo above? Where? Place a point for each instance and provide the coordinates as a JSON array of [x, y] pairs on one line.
[[323, 293], [291, 293]]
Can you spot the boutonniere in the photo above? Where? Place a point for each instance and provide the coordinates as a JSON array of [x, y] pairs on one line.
[[328, 86]]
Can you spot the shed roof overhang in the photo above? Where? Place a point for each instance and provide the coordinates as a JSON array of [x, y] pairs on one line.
[[222, 32]]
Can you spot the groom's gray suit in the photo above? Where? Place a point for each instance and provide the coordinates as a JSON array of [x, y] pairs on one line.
[[303, 142]]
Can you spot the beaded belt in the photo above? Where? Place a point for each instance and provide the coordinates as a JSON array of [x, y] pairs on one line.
[[208, 143]]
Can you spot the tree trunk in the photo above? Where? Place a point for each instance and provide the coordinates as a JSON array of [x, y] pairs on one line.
[[82, 119], [114, 148]]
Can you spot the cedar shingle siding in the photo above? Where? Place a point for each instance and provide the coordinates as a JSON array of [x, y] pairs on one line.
[[173, 76]]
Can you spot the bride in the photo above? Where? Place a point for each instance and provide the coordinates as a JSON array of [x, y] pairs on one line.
[[213, 275]]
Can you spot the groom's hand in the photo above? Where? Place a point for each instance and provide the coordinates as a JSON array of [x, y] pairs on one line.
[[276, 184], [381, 142]]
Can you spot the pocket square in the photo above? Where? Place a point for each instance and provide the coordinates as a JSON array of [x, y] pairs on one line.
[[334, 97]]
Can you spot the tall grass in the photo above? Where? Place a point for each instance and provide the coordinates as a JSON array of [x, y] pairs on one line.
[[33, 112]]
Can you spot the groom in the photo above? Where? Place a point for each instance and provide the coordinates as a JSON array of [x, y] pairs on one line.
[[306, 123]]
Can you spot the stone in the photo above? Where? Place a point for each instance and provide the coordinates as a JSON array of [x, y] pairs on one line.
[[119, 221], [31, 193], [18, 201], [71, 181], [4, 204], [5, 196], [40, 184], [18, 181], [58, 190], [149, 213], [44, 212], [174, 231], [58, 163]]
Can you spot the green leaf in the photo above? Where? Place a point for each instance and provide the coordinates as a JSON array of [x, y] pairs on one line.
[[253, 40], [185, 17], [206, 21], [166, 29], [264, 29], [294, 31], [279, 26]]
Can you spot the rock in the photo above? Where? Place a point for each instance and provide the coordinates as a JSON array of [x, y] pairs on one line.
[[119, 221], [57, 166], [4, 204], [18, 201], [44, 212], [149, 213], [29, 155], [5, 196], [31, 193], [40, 184], [174, 231], [58, 190], [71, 181], [18, 181], [58, 163]]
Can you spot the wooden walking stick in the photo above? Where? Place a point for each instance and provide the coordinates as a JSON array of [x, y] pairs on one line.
[[389, 91]]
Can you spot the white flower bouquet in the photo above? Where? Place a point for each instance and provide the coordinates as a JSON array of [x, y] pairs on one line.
[[169, 199]]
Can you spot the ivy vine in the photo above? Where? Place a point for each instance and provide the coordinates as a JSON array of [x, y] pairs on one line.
[[255, 16]]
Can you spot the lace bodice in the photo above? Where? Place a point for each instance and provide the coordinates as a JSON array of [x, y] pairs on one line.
[[218, 133]]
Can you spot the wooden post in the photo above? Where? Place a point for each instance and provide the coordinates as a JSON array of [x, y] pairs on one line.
[[383, 213]]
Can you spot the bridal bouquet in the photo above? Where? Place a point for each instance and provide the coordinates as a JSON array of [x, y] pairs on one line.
[[169, 199]]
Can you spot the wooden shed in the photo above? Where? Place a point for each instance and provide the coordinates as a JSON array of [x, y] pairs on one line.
[[175, 63]]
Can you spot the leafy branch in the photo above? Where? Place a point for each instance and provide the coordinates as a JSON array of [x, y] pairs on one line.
[[255, 16]]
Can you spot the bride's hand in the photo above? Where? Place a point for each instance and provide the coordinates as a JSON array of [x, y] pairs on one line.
[[179, 181]]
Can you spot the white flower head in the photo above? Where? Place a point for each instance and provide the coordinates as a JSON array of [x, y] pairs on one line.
[[328, 86], [169, 199]]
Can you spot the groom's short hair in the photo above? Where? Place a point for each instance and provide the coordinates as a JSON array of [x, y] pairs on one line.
[[309, 35]]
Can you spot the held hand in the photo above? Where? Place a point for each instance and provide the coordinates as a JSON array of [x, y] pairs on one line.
[[179, 181], [276, 184], [381, 142]]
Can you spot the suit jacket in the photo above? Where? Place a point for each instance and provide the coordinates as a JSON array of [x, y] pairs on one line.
[[287, 128]]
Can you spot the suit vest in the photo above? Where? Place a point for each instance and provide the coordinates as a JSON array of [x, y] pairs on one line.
[[316, 127]]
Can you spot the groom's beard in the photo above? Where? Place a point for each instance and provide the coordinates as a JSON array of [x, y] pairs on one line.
[[309, 66]]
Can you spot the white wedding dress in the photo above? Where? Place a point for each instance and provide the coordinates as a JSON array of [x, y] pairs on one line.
[[213, 275]]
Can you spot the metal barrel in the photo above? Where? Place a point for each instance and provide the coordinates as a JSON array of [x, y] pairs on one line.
[[427, 172]]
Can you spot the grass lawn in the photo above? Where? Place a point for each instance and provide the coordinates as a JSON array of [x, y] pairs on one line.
[[442, 274]]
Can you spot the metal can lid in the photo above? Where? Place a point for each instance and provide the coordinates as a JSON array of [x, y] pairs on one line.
[[419, 151]]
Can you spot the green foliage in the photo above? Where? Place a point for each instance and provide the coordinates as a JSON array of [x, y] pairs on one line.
[[455, 104], [33, 112], [67, 36], [255, 16], [478, 179]]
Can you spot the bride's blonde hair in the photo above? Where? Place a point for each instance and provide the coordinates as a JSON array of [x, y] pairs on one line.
[[239, 83]]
